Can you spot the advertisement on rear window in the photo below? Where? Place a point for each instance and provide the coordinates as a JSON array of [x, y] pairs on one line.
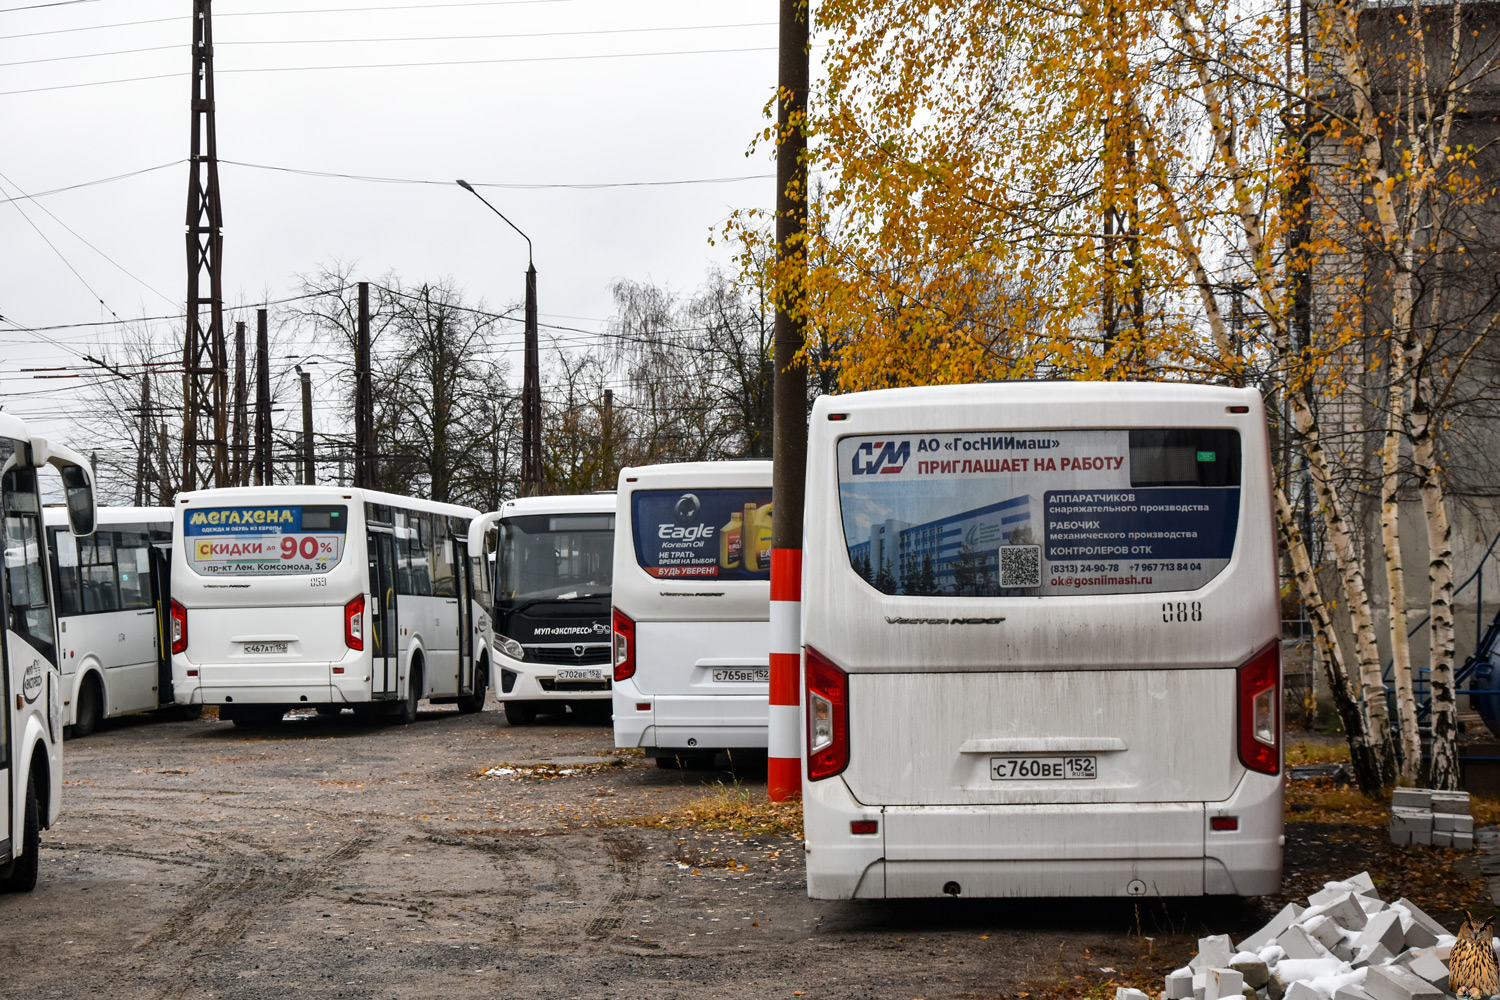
[[722, 534], [1040, 513], [264, 541]]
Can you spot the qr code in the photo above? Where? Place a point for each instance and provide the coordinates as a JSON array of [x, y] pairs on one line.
[[1020, 565]]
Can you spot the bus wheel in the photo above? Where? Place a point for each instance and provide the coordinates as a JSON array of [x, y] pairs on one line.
[[471, 703], [406, 714], [90, 706], [520, 713], [23, 871]]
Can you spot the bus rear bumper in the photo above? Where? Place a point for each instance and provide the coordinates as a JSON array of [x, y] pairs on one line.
[[1111, 849], [688, 722]]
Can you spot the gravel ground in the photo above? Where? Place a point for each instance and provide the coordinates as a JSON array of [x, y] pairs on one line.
[[332, 859]]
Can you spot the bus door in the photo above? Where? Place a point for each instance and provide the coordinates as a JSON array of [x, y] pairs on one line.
[[161, 597], [465, 613], [385, 646]]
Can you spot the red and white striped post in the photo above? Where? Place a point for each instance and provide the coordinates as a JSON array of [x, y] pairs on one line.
[[789, 403], [784, 745]]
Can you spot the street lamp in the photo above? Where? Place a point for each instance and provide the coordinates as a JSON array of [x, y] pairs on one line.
[[531, 387]]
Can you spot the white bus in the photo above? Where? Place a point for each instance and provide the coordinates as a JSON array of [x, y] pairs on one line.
[[1040, 656], [692, 602], [552, 565], [111, 593], [287, 597], [31, 691]]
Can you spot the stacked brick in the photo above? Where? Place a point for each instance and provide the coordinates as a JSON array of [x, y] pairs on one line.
[[1426, 816], [1346, 944]]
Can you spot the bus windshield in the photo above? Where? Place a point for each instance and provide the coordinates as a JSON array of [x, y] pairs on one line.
[[1039, 513], [555, 557], [265, 540]]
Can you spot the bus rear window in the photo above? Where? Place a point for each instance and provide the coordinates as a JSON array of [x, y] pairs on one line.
[[1040, 513], [279, 540], [718, 534]]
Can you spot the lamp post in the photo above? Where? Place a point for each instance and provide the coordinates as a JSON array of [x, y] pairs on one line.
[[531, 385]]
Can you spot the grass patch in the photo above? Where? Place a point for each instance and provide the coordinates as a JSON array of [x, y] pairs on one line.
[[729, 807], [1300, 754]]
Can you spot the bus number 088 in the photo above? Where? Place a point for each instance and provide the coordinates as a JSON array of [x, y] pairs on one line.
[[1182, 611]]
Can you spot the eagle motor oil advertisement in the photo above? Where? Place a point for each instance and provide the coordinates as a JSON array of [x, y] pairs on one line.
[[716, 534], [1033, 513]]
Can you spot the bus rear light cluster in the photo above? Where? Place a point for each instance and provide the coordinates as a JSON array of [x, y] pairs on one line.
[[1224, 823], [1259, 704], [179, 627], [624, 647], [354, 623], [827, 717]]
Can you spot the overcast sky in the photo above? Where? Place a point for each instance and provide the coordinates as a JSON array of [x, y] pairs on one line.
[[578, 114]]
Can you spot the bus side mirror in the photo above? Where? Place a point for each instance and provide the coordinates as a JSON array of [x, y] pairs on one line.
[[79, 492]]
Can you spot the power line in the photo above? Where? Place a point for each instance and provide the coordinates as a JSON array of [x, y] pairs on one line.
[[496, 184], [411, 38], [16, 205], [86, 243], [39, 6], [399, 65], [102, 180], [263, 13]]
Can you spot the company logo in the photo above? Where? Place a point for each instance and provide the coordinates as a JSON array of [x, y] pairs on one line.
[[243, 515], [687, 508], [891, 457], [597, 628], [31, 682], [578, 651], [943, 621]]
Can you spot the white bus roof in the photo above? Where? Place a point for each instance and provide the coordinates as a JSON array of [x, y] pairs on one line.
[[12, 426], [1078, 394], [249, 494], [691, 471], [577, 503], [56, 515]]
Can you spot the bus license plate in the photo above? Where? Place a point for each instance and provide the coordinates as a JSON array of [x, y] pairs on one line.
[[265, 647], [742, 675], [575, 674], [1043, 768]]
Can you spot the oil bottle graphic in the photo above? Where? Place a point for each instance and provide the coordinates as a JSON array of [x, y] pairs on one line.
[[757, 542], [732, 542]]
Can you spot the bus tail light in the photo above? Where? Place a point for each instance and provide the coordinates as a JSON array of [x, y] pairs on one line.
[[624, 647], [1260, 711], [354, 623], [179, 627], [827, 717]]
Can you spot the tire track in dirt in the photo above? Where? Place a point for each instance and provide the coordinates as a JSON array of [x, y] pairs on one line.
[[625, 851], [219, 912]]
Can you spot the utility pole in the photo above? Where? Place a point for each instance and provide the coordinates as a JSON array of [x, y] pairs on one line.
[[309, 473], [240, 476], [609, 439], [143, 454], [364, 397], [531, 384], [784, 765], [262, 401], [204, 368], [531, 398]]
